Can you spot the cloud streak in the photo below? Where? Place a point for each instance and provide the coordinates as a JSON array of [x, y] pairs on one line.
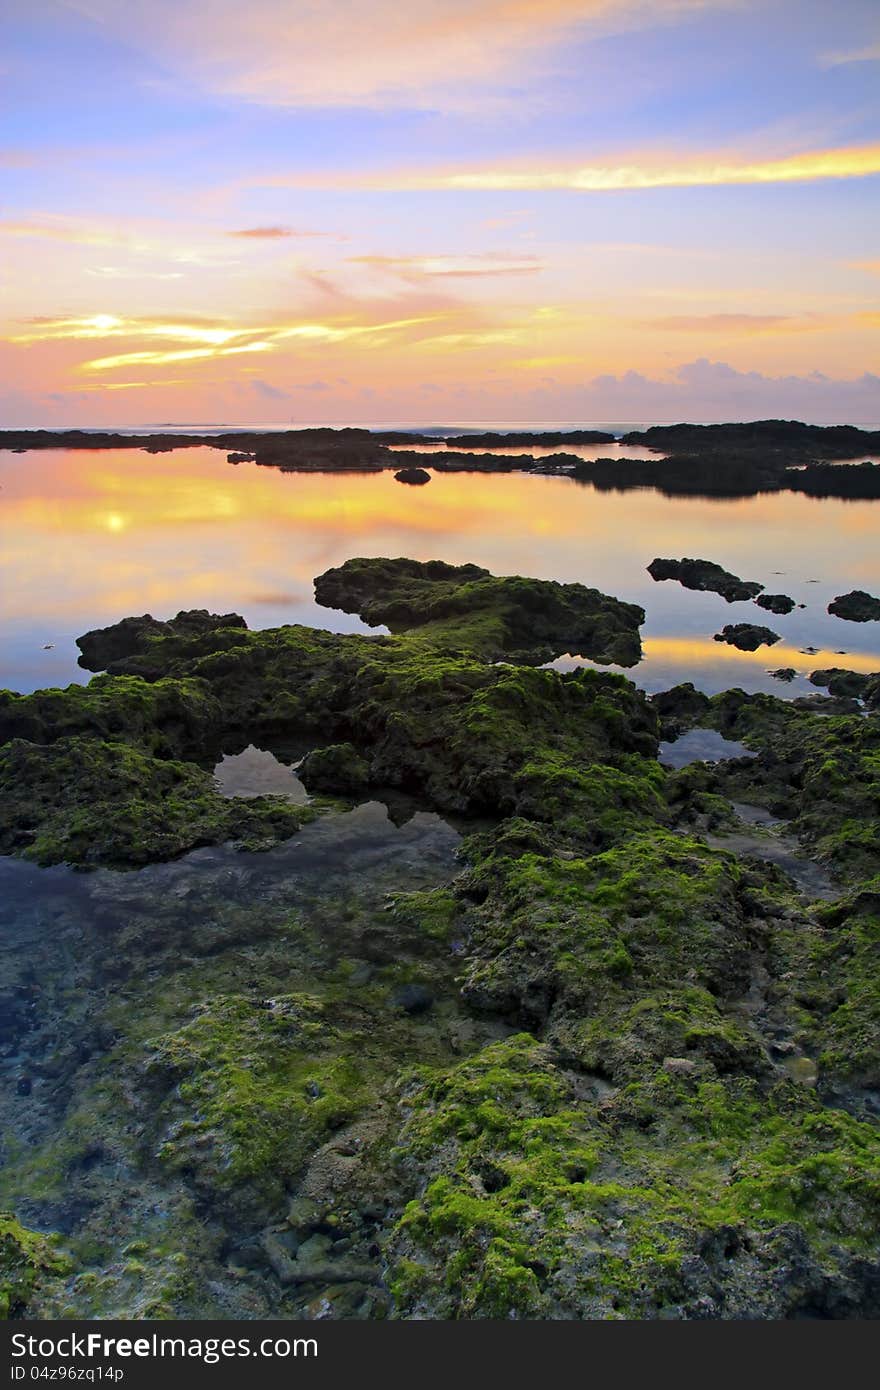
[[640, 171], [208, 340], [271, 233], [463, 267]]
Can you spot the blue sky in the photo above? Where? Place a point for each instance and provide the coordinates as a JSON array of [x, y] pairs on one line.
[[493, 207]]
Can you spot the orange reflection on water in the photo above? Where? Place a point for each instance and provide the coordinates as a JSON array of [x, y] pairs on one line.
[[706, 652], [88, 536]]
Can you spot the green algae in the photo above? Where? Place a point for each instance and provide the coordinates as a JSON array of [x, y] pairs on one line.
[[522, 620], [642, 1150], [85, 801], [551, 1203], [26, 1257]]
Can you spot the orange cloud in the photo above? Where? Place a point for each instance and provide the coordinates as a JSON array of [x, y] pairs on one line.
[[272, 233]]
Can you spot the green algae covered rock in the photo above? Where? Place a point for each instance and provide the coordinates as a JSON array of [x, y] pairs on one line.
[[336, 768], [514, 618], [117, 772], [26, 1257], [856, 606], [103, 647], [252, 1087], [543, 1194], [602, 1068], [91, 801]]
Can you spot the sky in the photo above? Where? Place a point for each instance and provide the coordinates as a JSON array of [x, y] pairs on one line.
[[450, 211]]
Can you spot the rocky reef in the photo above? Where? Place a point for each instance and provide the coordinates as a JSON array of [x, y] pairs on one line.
[[618, 1060], [518, 439], [789, 439], [856, 607], [705, 575]]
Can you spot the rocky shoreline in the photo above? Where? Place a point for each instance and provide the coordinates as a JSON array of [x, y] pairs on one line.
[[610, 1064], [693, 460]]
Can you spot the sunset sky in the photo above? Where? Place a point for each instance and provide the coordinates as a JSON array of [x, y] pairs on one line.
[[441, 211]]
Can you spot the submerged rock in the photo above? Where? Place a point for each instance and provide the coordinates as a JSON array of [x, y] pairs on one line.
[[705, 575], [747, 636], [856, 607], [412, 999]]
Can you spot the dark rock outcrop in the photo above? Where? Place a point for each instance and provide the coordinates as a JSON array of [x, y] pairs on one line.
[[775, 603], [748, 637], [789, 439], [856, 607], [840, 681], [103, 647], [416, 476], [543, 439], [705, 575]]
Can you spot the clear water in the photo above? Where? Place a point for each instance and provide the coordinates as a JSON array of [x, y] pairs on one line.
[[701, 745]]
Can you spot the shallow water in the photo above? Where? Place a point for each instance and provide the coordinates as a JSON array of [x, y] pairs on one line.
[[88, 536], [701, 745], [257, 772], [207, 902]]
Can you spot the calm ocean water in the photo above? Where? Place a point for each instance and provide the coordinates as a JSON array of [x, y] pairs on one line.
[[90, 536]]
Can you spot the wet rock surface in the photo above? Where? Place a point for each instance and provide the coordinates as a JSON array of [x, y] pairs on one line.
[[605, 1049]]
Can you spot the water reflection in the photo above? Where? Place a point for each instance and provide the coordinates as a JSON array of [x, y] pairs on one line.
[[701, 745], [257, 772], [89, 536], [538, 451]]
